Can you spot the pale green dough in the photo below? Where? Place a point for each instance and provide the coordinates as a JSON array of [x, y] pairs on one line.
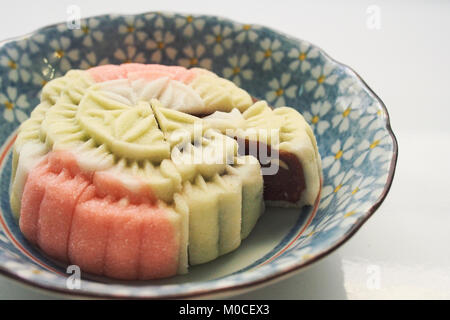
[[177, 126], [128, 131], [204, 228], [249, 173], [220, 94], [230, 191]]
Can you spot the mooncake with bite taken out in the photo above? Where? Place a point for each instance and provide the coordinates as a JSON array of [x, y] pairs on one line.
[[138, 171]]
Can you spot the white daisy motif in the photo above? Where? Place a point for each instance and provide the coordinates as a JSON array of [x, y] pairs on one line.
[[322, 75], [308, 234], [269, 53], [314, 118], [339, 151], [305, 253], [377, 188], [246, 32], [131, 28], [349, 110], [347, 216], [338, 188], [161, 43], [15, 63], [46, 73], [28, 271], [62, 54], [63, 27], [32, 272], [373, 117], [302, 55], [190, 24], [350, 85], [219, 38], [280, 90], [13, 105], [129, 55], [157, 17], [359, 188], [374, 148], [315, 229], [194, 57], [236, 70], [90, 60], [41, 79], [362, 186], [88, 33], [32, 43]]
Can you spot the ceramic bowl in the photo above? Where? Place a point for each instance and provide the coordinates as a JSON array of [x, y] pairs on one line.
[[357, 145]]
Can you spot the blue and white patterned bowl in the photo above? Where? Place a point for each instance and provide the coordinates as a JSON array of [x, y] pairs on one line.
[[357, 145]]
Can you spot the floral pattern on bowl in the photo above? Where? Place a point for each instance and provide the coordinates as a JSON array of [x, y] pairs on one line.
[[358, 147]]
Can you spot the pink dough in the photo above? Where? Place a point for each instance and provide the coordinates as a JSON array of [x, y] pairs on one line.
[[132, 67], [107, 184], [51, 193], [148, 72], [55, 215], [31, 199], [149, 75], [60, 160], [159, 246], [93, 221], [107, 72], [89, 234], [185, 77], [123, 248]]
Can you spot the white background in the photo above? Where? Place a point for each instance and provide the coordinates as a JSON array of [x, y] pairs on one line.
[[406, 62]]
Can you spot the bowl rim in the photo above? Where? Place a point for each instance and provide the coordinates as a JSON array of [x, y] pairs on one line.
[[246, 286]]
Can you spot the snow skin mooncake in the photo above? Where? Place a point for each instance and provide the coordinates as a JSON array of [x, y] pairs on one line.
[[138, 171]]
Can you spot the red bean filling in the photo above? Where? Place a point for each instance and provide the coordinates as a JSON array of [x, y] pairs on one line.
[[287, 184]]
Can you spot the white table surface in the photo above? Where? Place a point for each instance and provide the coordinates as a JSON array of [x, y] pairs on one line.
[[403, 250]]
